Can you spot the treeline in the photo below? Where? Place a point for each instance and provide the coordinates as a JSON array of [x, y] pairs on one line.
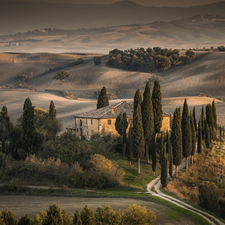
[[149, 60], [133, 215], [221, 48]]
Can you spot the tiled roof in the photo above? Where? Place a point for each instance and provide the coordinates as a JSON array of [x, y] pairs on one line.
[[107, 112]]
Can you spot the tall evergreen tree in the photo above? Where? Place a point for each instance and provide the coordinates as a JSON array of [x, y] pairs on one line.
[[210, 119], [157, 106], [137, 99], [176, 139], [147, 119], [161, 148], [193, 139], [125, 124], [119, 124], [199, 149], [103, 99], [153, 153], [129, 151], [87, 216], [186, 133], [207, 136], [194, 117], [167, 141], [164, 169], [203, 121], [52, 111], [214, 120], [170, 161], [28, 128], [220, 132], [138, 136]]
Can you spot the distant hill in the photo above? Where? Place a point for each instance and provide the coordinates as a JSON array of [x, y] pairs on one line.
[[191, 32], [23, 16]]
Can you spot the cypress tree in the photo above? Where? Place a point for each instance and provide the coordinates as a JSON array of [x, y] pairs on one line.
[[119, 124], [214, 114], [203, 121], [210, 119], [170, 161], [157, 106], [28, 128], [147, 119], [138, 136], [164, 169], [194, 117], [167, 141], [176, 139], [161, 149], [220, 132], [193, 139], [153, 153], [103, 99], [125, 124], [199, 149], [207, 136], [52, 111], [137, 99], [76, 218], [186, 133], [129, 146], [87, 216]]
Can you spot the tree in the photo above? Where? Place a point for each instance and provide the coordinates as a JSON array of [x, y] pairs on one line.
[[193, 138], [97, 60], [77, 218], [105, 215], [164, 169], [157, 106], [129, 151], [186, 133], [210, 120], [176, 139], [8, 217], [62, 75], [138, 136], [125, 125], [137, 99], [203, 122], [54, 215], [170, 161], [167, 141], [52, 111], [25, 220], [207, 136], [199, 149], [194, 117], [103, 99], [161, 148], [220, 132], [87, 216], [214, 119], [153, 153], [147, 119], [119, 124], [28, 128]]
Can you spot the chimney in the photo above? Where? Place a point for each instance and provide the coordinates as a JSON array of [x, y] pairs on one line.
[[112, 110], [123, 100]]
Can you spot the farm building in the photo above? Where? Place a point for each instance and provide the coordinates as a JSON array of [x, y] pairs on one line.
[[103, 120]]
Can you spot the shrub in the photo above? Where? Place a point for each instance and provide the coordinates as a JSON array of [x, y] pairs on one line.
[[13, 185], [25, 220], [105, 215], [137, 215], [221, 207], [21, 79], [8, 217], [62, 75], [97, 60], [209, 195], [87, 216]]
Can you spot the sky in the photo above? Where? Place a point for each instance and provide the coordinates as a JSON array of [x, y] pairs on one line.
[[158, 3]]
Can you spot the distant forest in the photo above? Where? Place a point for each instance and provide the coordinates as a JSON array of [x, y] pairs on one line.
[[149, 60]]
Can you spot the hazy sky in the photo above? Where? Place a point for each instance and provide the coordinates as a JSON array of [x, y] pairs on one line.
[[181, 3]]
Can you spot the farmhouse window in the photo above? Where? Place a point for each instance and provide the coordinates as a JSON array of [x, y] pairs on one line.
[[109, 122], [77, 129], [87, 132], [81, 123], [91, 122], [86, 121]]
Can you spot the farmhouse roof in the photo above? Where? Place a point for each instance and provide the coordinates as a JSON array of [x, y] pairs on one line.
[[112, 111]]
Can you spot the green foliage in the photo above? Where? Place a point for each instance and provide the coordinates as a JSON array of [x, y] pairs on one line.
[[153, 152], [41, 118], [149, 60], [209, 116], [189, 56], [13, 185], [164, 169], [193, 135], [54, 215], [209, 195], [97, 60], [176, 138], [129, 151], [95, 136], [221, 48], [137, 99], [87, 216], [22, 79], [157, 106], [170, 161], [125, 125], [53, 127], [52, 111], [186, 131], [8, 217], [138, 215], [103, 99], [161, 148], [62, 75], [105, 215], [202, 118], [221, 207], [194, 118], [77, 218], [25, 220], [28, 128], [207, 136], [119, 124]]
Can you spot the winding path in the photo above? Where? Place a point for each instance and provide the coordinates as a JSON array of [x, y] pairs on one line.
[[156, 185]]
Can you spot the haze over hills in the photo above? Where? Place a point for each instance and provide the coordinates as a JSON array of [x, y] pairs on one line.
[[23, 16], [197, 31]]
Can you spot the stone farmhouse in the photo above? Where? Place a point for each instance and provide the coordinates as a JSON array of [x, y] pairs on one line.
[[103, 120]]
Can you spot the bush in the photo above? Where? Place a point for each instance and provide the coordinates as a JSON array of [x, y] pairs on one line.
[[8, 217], [137, 215], [209, 195], [221, 207], [97, 60], [62, 75], [25, 220], [87, 216], [21, 79], [13, 185]]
